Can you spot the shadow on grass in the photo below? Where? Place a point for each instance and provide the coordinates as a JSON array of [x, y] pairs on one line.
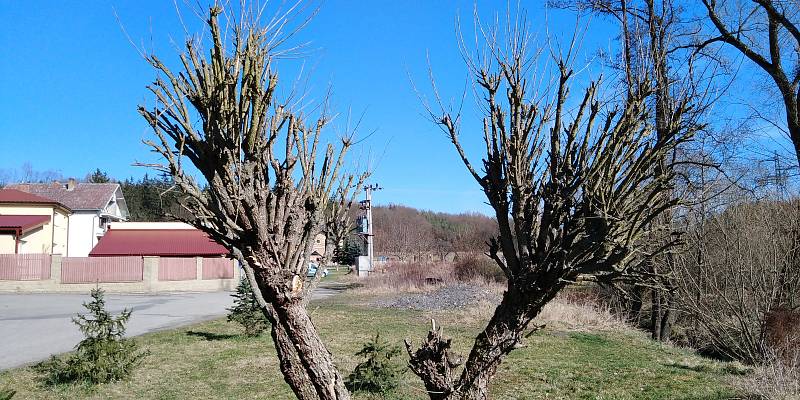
[[696, 368], [211, 336], [727, 368]]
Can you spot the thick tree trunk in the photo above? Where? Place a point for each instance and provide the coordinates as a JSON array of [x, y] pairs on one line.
[[305, 362], [793, 123], [298, 334], [292, 368], [503, 333]]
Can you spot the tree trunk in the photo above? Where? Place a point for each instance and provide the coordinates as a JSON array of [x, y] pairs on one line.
[[298, 337], [669, 315], [503, 333], [291, 367], [791, 101], [305, 362], [290, 364], [656, 315]]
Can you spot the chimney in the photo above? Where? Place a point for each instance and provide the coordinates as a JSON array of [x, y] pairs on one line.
[[71, 184]]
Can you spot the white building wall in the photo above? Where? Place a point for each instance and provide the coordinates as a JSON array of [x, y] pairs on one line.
[[84, 227]]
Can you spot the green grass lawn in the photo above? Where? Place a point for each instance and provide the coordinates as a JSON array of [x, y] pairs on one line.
[[212, 360]]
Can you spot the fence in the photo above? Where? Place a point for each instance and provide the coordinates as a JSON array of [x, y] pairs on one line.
[[101, 269], [46, 273], [177, 269], [217, 268], [24, 267]]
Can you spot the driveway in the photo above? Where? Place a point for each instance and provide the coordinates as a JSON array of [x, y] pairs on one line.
[[34, 326]]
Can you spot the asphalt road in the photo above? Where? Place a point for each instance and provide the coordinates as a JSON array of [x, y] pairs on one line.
[[34, 326]]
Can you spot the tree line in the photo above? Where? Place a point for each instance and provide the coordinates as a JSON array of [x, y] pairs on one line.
[[409, 233]]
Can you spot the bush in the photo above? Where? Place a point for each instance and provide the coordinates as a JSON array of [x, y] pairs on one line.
[[246, 310], [473, 268], [378, 373], [104, 355], [782, 333], [737, 281]]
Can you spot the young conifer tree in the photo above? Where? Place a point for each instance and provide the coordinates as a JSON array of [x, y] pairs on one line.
[[104, 355], [246, 311]]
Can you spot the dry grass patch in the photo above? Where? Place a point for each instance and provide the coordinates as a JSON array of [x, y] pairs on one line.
[[778, 380], [579, 315]]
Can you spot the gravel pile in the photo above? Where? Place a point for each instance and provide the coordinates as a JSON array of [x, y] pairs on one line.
[[446, 297]]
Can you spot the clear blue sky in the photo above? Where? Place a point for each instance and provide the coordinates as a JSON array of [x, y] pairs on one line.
[[71, 82]]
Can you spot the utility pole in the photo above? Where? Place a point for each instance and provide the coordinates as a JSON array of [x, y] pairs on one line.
[[366, 230]]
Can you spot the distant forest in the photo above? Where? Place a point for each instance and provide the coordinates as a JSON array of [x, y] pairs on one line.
[[411, 232], [149, 199]]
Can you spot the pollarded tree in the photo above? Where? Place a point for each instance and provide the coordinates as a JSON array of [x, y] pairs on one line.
[[269, 176], [575, 191]]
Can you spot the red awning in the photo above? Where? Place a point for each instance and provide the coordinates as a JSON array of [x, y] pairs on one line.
[[157, 242], [23, 223]]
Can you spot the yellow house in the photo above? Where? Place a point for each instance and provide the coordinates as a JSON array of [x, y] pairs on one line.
[[31, 224]]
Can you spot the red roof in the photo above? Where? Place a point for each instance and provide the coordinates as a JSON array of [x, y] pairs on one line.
[[80, 196], [157, 242], [22, 222], [18, 196]]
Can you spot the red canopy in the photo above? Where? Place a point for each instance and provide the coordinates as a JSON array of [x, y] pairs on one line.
[[157, 242], [22, 223]]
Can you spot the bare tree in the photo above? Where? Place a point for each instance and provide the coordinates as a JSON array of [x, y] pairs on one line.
[[657, 39], [338, 221], [739, 266], [269, 176], [767, 32], [574, 193]]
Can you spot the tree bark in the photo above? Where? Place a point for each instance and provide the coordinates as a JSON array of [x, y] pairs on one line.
[[298, 334], [655, 315], [503, 333], [668, 316], [291, 366]]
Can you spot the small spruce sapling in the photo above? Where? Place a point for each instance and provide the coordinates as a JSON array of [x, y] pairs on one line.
[[246, 310], [104, 355], [379, 373]]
